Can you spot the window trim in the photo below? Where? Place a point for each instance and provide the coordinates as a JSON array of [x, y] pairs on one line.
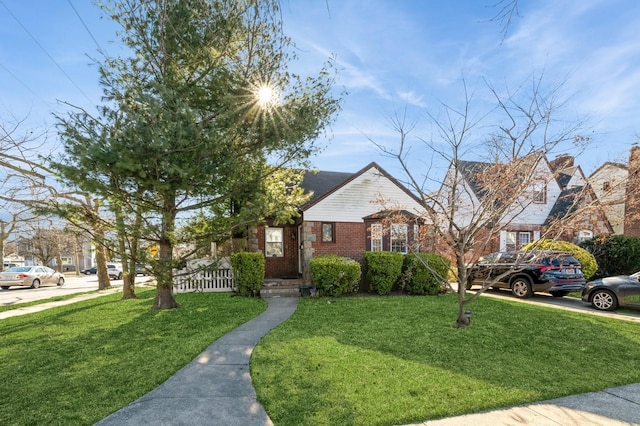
[[269, 231], [377, 235], [333, 232], [539, 192], [404, 238]]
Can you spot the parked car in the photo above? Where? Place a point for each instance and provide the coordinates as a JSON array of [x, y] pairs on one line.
[[527, 272], [607, 294], [90, 271], [143, 269], [114, 270], [30, 276]]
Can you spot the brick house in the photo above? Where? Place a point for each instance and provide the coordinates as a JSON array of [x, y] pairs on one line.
[[345, 216]]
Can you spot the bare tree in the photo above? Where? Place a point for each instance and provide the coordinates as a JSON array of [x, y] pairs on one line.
[[29, 191], [507, 10], [474, 201]]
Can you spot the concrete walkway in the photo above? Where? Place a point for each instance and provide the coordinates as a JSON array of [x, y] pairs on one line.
[[215, 388]]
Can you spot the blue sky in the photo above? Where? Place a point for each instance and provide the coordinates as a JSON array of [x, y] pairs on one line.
[[392, 55]]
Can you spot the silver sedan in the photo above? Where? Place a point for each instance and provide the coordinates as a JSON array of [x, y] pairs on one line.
[[30, 276]]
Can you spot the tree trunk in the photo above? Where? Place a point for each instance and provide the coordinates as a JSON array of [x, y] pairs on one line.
[[128, 275], [101, 266], [464, 316], [164, 278], [164, 299]]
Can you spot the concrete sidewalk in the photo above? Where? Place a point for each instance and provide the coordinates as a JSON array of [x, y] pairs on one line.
[[610, 407], [215, 388]]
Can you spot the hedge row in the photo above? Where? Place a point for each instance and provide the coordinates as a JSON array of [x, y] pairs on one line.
[[332, 275]]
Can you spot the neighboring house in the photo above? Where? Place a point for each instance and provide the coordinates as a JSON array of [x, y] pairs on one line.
[[346, 215], [632, 195], [609, 183], [579, 201], [552, 191]]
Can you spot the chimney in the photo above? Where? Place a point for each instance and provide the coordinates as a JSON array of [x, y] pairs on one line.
[[562, 161], [632, 195]]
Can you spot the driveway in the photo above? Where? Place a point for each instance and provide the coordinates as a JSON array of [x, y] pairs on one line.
[[567, 303]]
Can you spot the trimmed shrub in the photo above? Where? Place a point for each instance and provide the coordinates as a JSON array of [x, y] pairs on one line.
[[586, 259], [615, 254], [425, 273], [333, 275], [382, 269], [248, 272]]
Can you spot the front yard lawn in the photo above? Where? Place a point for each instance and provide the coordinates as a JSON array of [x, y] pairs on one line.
[[347, 361], [399, 360], [78, 363]]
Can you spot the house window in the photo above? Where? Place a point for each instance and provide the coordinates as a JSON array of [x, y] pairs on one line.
[[584, 235], [399, 237], [274, 242], [539, 195], [376, 237], [606, 186], [328, 235], [517, 240], [511, 241]]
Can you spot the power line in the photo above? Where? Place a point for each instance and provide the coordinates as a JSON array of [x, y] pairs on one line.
[[23, 83], [46, 53], [100, 49]]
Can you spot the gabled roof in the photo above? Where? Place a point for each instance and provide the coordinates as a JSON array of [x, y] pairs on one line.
[[610, 164], [318, 183], [566, 204], [563, 179], [473, 172], [470, 171], [322, 184]]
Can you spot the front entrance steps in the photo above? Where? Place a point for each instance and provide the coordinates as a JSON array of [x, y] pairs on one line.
[[281, 287]]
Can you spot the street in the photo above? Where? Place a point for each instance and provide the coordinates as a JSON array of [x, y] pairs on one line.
[[73, 284]]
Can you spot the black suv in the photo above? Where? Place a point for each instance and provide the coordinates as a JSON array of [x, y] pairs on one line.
[[526, 272]]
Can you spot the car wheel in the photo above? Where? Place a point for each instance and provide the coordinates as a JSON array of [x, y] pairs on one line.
[[120, 276], [35, 284], [521, 288], [5, 287], [469, 284], [559, 293], [60, 282], [604, 300]]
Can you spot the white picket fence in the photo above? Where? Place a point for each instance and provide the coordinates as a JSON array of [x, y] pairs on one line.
[[199, 277]]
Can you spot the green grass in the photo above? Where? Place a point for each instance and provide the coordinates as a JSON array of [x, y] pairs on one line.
[[354, 361], [76, 364], [399, 360]]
